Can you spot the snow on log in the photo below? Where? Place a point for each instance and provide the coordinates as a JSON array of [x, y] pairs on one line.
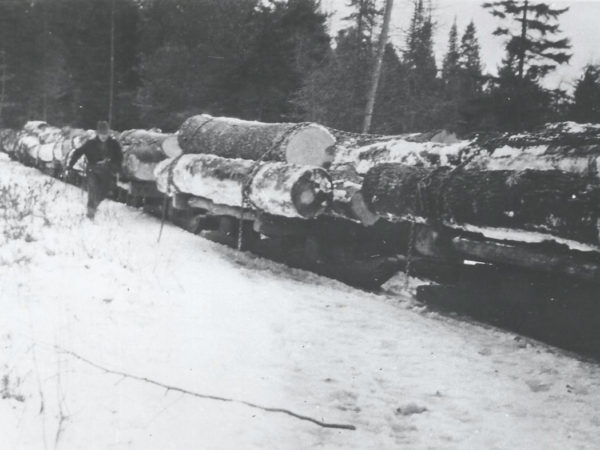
[[417, 149], [275, 188], [142, 151], [554, 203], [564, 146], [307, 144], [44, 132]]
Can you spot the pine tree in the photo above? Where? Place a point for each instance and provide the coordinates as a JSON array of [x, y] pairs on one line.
[[471, 81], [419, 55], [335, 92], [364, 16], [388, 115], [531, 53], [451, 60], [586, 106], [469, 58], [422, 87]]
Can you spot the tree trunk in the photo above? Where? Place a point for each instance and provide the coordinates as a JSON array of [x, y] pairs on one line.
[[275, 188], [374, 82], [553, 203], [303, 144]]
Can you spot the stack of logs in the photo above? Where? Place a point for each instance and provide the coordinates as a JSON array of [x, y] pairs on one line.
[[274, 168], [529, 200]]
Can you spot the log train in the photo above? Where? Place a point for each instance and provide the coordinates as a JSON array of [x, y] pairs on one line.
[[492, 211]]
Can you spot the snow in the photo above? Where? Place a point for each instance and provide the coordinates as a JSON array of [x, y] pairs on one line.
[[198, 316], [400, 150]]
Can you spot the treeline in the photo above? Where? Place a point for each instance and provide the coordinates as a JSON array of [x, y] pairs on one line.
[[274, 61]]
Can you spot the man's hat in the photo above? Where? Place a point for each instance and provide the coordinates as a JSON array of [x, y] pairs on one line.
[[103, 127]]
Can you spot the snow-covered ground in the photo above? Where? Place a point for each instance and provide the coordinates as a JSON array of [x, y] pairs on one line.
[[84, 304]]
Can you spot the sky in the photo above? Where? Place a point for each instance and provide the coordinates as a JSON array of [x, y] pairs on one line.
[[581, 24]]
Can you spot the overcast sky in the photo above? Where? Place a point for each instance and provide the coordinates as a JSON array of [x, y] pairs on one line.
[[581, 24]]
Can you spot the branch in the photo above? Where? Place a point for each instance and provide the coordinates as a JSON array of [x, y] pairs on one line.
[[205, 396]]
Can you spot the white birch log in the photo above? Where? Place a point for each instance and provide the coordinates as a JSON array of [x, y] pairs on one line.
[[273, 187]]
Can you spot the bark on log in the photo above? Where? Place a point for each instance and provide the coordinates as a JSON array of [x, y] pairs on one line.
[[303, 144], [142, 151], [558, 204], [276, 188], [529, 257]]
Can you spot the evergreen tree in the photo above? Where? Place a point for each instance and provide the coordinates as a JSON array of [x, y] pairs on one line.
[[471, 81], [586, 106], [451, 60], [389, 105], [531, 53], [470, 60], [422, 108], [335, 92], [364, 16], [451, 93]]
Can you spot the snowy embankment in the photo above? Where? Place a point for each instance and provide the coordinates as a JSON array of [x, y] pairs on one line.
[[94, 315]]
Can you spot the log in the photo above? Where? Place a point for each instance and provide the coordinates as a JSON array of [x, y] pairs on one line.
[[529, 256], [565, 146], [348, 201], [306, 144], [560, 206], [142, 151], [217, 209], [417, 149], [44, 132], [581, 160], [170, 146], [276, 188], [27, 147]]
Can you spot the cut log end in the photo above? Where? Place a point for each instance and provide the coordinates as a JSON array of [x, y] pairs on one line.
[[311, 145], [171, 146], [311, 194]]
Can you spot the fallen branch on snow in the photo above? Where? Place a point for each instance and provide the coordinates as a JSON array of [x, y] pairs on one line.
[[206, 396]]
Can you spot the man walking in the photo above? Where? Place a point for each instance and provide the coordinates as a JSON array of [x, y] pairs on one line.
[[104, 159]]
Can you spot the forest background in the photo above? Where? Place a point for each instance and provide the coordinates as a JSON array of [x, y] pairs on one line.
[[153, 63]]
